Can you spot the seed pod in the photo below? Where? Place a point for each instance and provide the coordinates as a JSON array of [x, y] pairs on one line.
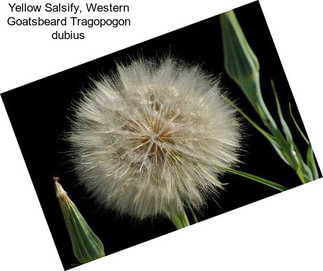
[[86, 245], [144, 140]]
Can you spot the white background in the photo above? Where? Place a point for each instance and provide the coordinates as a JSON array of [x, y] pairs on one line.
[[283, 232]]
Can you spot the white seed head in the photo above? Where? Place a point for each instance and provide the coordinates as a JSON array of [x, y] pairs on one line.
[[144, 140]]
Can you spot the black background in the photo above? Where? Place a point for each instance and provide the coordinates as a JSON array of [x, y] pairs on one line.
[[39, 115]]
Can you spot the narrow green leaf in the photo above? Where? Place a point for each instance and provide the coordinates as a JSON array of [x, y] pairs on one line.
[[297, 126], [282, 155], [243, 174], [255, 178], [285, 127], [255, 125], [302, 169], [268, 136], [300, 174], [85, 244], [311, 162]]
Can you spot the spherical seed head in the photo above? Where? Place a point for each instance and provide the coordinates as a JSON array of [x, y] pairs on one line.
[[144, 140]]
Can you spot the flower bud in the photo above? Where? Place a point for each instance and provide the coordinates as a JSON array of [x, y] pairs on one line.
[[86, 245], [240, 62], [242, 65]]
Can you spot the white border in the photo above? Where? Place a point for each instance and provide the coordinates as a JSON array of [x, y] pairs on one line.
[[283, 232]]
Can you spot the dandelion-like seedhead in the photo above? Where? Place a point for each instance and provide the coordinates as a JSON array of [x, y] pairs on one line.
[[144, 139]]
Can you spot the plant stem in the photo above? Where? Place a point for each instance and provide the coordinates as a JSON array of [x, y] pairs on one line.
[[180, 220], [193, 214]]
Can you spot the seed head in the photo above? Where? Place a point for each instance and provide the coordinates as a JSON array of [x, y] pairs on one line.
[[144, 139]]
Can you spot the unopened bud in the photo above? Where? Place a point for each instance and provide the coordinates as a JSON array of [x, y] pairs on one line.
[[242, 65], [86, 245]]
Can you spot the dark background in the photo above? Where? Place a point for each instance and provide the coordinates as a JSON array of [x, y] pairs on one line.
[[39, 115]]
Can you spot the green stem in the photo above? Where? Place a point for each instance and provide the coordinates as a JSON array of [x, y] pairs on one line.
[[193, 214], [297, 126], [180, 220]]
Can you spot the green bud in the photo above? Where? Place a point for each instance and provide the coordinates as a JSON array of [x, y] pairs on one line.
[[240, 62], [242, 65], [85, 244]]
